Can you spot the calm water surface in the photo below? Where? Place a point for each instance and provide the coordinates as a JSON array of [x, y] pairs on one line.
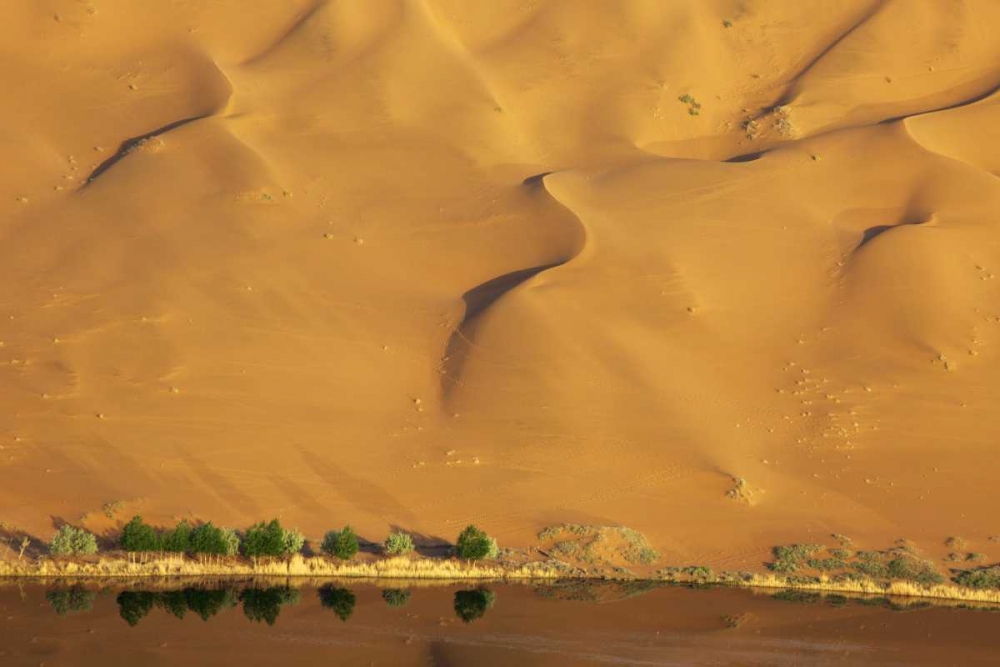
[[393, 623]]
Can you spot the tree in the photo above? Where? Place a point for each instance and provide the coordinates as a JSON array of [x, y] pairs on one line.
[[474, 544], [293, 542], [70, 541], [230, 542], [343, 544], [139, 537], [470, 605], [178, 540], [340, 600], [264, 539], [398, 543]]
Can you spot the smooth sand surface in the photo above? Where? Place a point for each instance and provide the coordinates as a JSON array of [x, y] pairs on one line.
[[420, 263]]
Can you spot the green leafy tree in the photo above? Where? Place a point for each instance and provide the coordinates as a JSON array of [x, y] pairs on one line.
[[70, 541], [230, 542], [139, 537], [398, 543], [471, 605], [396, 597], [293, 542], [340, 543], [264, 540], [178, 540], [340, 600], [474, 544]]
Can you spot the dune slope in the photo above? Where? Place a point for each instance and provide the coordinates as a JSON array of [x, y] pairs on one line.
[[421, 263]]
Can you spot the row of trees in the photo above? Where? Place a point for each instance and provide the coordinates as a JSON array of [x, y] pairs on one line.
[[261, 540]]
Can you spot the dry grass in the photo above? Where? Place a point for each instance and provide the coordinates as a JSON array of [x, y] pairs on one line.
[[868, 587], [297, 566]]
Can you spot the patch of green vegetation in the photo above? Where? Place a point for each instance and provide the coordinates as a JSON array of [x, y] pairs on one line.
[[909, 568], [111, 508], [694, 107], [983, 577], [474, 544], [340, 543], [788, 558], [70, 541], [826, 564]]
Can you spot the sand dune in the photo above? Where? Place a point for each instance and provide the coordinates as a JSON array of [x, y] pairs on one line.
[[420, 263]]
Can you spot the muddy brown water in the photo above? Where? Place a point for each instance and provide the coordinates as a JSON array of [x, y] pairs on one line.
[[570, 623]]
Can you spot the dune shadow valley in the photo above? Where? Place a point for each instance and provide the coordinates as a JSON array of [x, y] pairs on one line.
[[698, 291]]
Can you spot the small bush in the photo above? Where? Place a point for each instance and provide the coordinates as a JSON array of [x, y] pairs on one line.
[[984, 577], [914, 569], [340, 543], [70, 541], [474, 544], [826, 564], [398, 544], [138, 536], [293, 542]]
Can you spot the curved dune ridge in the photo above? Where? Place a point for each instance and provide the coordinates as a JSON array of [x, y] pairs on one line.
[[421, 263]]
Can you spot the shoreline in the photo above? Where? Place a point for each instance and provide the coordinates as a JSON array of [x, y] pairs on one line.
[[429, 571]]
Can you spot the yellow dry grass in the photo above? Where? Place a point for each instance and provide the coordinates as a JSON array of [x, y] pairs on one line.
[[871, 587], [297, 566]]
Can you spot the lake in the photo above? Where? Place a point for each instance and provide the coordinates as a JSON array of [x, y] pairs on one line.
[[433, 624]]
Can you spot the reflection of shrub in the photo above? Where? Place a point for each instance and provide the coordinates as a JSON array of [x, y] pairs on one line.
[[398, 544], [470, 605], [134, 605], [396, 597], [69, 600], [264, 604], [207, 602], [340, 600], [70, 541]]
